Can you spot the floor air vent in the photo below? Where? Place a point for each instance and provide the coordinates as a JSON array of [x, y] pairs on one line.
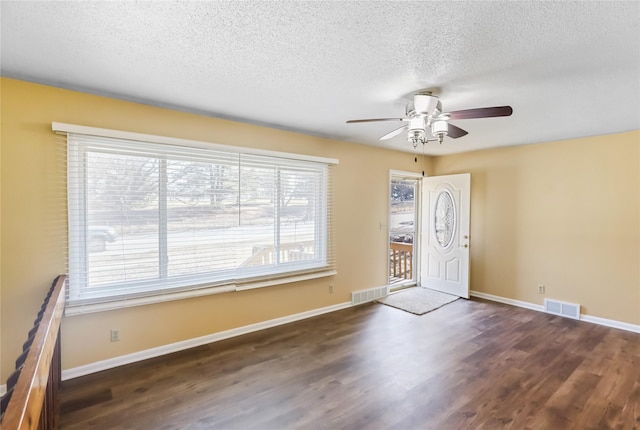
[[564, 309], [364, 296]]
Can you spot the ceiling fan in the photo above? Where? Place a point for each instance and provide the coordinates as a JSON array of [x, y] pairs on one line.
[[424, 114]]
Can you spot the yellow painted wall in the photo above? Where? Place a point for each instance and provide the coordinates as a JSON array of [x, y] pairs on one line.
[[34, 224], [564, 214]]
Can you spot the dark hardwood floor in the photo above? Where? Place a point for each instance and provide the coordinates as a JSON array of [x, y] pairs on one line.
[[469, 365]]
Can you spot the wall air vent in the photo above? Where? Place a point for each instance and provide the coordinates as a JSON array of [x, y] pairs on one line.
[[564, 309], [364, 296]]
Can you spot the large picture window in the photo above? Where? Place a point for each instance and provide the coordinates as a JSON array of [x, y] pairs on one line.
[[152, 218]]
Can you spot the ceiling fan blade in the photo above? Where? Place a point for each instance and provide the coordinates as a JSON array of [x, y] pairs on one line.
[[393, 133], [456, 132], [487, 112], [352, 121]]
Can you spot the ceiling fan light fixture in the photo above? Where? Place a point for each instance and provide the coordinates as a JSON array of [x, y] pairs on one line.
[[415, 137], [416, 132], [439, 129], [417, 123]]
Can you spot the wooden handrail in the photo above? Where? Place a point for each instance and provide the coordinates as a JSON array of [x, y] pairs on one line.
[[41, 373]]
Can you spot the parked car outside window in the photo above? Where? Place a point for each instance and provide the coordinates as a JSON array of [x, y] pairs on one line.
[[99, 235]]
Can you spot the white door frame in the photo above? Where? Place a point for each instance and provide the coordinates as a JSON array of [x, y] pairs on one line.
[[417, 237]]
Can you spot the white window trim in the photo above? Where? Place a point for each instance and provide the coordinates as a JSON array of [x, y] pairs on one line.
[[60, 127], [88, 307], [188, 294]]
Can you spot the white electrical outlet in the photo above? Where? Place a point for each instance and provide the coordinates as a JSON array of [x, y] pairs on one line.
[[540, 288], [115, 335]]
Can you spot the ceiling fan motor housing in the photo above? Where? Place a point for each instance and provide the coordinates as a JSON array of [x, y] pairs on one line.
[[425, 103]]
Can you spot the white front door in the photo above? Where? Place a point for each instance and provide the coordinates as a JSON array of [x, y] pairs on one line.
[[444, 262]]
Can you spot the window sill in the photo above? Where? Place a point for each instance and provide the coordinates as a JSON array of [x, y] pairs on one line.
[[120, 303]]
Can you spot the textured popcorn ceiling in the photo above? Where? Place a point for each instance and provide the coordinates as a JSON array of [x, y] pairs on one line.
[[569, 69]]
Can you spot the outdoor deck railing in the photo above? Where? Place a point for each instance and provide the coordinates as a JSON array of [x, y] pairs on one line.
[[400, 261], [265, 255]]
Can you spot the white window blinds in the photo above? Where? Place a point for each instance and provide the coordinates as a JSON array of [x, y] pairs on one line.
[[149, 219]]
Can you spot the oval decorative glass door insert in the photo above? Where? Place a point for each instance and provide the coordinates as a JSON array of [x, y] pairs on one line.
[[444, 218]]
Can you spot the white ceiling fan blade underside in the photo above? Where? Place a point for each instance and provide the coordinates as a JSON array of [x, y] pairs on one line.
[[393, 133]]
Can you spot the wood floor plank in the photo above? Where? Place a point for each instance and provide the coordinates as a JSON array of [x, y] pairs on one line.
[[568, 402], [471, 364]]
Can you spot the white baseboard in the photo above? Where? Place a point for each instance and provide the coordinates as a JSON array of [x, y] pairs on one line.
[[507, 301], [3, 389], [110, 363], [587, 318], [610, 323]]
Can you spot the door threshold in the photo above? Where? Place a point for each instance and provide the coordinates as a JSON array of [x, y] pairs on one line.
[[394, 288]]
